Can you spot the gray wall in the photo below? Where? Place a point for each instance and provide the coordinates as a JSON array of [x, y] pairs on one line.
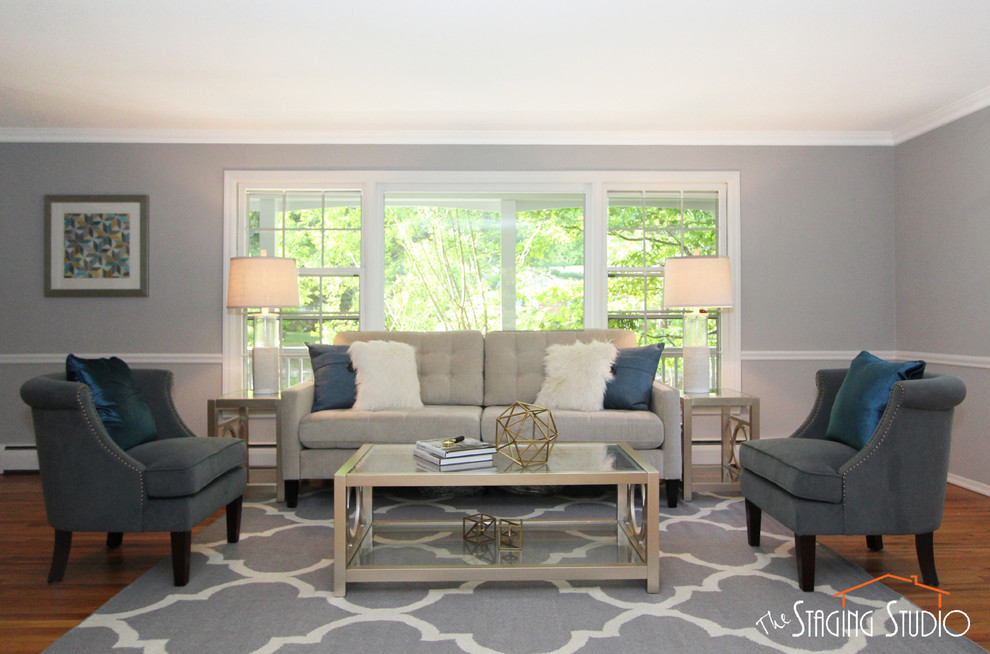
[[818, 255], [943, 273]]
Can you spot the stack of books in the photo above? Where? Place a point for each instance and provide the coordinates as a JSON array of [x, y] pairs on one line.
[[447, 454]]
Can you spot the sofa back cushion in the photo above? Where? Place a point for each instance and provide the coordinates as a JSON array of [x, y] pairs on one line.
[[514, 359], [450, 363]]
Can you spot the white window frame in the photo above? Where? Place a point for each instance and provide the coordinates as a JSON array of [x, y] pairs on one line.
[[373, 185]]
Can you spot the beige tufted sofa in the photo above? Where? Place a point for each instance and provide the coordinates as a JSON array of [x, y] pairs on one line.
[[467, 380]]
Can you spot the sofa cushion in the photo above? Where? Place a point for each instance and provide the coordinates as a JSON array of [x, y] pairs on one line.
[[863, 397], [804, 467], [514, 360], [176, 467], [634, 372], [351, 428], [386, 376], [451, 364], [642, 430], [576, 375], [333, 377], [119, 402]]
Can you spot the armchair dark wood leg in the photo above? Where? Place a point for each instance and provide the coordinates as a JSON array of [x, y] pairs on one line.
[[60, 555], [754, 516], [181, 555], [804, 550], [291, 493], [925, 545], [234, 520], [874, 543], [114, 539], [672, 486]]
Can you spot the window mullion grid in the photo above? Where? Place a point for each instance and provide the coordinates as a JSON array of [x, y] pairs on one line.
[[644, 251]]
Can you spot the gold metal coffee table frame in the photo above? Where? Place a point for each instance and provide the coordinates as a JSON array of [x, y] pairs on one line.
[[635, 553]]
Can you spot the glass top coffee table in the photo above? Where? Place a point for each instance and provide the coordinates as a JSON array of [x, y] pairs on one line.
[[626, 547]]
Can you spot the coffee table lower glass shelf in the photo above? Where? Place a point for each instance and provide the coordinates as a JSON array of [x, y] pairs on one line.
[[626, 547]]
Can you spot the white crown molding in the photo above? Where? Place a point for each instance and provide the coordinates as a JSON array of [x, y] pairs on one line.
[[133, 358], [440, 137], [958, 109]]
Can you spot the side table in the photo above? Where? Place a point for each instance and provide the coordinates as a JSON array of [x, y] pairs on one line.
[[243, 402], [732, 427]]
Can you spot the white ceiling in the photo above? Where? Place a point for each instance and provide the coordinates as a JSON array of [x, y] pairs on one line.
[[870, 71]]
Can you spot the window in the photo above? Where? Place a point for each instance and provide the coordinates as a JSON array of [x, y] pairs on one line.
[[484, 261], [644, 229], [321, 230], [480, 250]]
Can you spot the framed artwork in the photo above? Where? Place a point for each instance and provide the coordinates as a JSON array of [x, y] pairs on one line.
[[96, 245]]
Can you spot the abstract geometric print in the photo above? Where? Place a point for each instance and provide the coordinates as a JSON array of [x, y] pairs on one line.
[[97, 245]]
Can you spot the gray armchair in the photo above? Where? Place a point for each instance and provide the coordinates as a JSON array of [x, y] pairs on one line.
[[169, 484], [893, 485]]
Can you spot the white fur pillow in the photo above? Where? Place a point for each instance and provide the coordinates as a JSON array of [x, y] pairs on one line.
[[386, 376], [576, 376]]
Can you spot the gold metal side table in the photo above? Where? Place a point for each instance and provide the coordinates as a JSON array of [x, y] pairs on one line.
[[243, 402], [734, 428]]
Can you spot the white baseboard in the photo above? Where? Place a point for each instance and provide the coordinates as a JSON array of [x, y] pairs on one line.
[[969, 484]]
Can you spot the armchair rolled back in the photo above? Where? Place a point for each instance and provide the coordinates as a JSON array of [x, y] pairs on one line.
[[904, 467], [88, 482]]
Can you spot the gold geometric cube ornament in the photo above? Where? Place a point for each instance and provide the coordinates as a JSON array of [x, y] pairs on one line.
[[480, 528], [525, 433], [510, 534]]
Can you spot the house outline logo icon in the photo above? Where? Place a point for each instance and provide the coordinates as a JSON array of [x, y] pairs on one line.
[[913, 579]]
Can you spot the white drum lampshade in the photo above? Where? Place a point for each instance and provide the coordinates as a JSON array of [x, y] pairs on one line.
[[697, 283], [264, 283]]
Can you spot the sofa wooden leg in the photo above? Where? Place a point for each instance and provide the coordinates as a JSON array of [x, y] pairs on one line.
[[672, 487], [114, 539], [181, 555], [804, 550], [60, 555], [874, 543], [754, 516], [234, 519], [925, 545], [291, 493]]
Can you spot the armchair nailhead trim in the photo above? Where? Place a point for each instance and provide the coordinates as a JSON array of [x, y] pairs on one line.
[[876, 446], [96, 434]]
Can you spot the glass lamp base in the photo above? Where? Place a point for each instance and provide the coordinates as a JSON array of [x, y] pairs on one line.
[[696, 370], [265, 370]]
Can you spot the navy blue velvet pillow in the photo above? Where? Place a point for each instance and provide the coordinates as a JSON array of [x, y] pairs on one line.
[[333, 377], [635, 368], [863, 396], [119, 402]]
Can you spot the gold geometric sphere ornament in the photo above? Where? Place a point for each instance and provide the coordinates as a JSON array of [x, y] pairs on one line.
[[525, 433]]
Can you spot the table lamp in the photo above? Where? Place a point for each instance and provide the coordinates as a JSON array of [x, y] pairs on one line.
[[264, 283], [697, 283]]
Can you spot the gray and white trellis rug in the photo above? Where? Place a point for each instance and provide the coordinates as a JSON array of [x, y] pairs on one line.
[[272, 592]]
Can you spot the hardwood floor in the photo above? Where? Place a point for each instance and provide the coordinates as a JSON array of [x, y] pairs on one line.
[[36, 613]]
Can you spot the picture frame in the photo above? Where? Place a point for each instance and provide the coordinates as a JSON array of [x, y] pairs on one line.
[[96, 245]]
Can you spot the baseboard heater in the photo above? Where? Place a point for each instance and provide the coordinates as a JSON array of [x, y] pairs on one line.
[[18, 458]]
